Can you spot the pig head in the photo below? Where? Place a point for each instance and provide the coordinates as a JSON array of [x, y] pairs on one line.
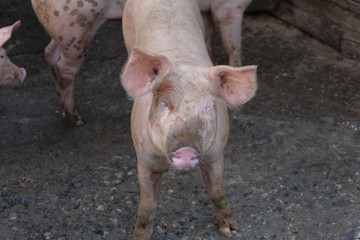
[[10, 74], [180, 117]]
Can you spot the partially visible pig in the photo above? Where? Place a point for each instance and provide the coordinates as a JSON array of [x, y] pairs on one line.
[[73, 24], [10, 74], [228, 15], [179, 117]]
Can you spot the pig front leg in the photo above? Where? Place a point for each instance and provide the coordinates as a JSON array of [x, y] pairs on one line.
[[149, 195], [213, 177], [64, 66], [230, 30]]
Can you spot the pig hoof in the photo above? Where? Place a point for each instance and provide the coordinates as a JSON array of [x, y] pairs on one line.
[[79, 123], [226, 230], [141, 235], [76, 120]]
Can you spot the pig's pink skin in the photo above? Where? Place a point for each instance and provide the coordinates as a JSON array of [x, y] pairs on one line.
[[185, 158], [10, 74], [228, 15], [180, 102], [71, 26]]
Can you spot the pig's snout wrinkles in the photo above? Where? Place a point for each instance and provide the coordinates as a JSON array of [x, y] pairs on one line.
[[185, 156]]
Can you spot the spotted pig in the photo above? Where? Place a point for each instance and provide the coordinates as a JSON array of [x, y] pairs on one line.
[[179, 118], [72, 25]]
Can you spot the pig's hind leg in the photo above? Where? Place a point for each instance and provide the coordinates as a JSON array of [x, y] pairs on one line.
[[229, 16], [213, 177], [209, 34], [65, 55], [64, 65]]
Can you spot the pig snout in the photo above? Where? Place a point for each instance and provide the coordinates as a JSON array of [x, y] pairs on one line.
[[12, 77], [185, 156]]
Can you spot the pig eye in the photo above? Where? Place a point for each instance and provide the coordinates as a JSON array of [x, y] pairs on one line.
[[164, 105]]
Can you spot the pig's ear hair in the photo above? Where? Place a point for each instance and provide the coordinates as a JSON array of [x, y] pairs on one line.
[[237, 85], [5, 32], [142, 71]]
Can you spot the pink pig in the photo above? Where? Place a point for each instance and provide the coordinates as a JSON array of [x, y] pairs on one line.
[[10, 74], [228, 15], [180, 117], [72, 25]]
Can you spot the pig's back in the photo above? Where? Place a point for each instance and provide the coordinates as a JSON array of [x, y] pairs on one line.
[[173, 28]]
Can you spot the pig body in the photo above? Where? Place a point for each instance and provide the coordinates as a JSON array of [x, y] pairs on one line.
[[10, 74], [73, 24], [180, 117], [228, 15]]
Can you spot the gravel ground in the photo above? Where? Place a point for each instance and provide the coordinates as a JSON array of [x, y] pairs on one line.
[[293, 158]]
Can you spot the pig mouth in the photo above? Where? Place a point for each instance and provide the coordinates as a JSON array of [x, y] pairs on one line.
[[185, 144], [185, 156]]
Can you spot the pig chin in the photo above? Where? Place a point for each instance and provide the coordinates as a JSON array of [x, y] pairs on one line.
[[185, 156]]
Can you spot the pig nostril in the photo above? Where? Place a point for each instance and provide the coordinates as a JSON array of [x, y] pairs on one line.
[[173, 157], [195, 159]]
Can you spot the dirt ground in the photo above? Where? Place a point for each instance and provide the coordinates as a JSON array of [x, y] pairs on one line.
[[293, 169]]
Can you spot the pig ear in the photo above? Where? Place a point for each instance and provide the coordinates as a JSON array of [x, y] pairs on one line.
[[237, 85], [142, 70], [5, 32]]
